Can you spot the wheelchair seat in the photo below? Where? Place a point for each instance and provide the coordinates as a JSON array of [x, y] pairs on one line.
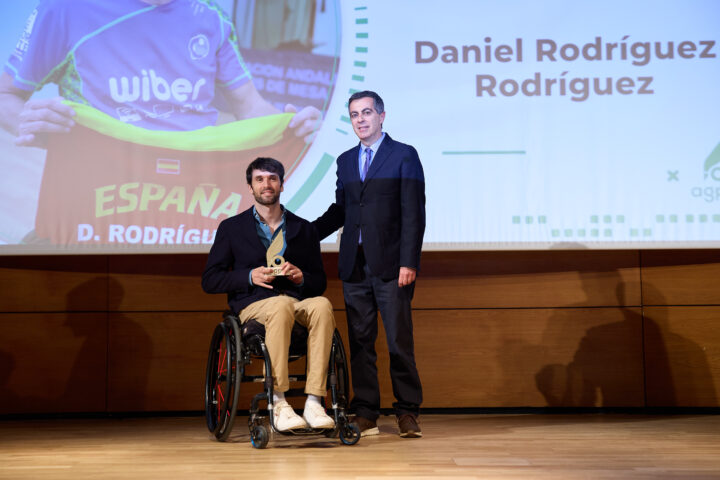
[[233, 347], [298, 338]]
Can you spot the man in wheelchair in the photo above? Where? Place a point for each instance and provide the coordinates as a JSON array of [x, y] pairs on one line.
[[276, 298]]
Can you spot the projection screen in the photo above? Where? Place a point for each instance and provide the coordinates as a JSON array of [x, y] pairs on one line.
[[540, 124]]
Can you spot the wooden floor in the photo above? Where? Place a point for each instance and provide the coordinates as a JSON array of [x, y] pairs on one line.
[[454, 446]]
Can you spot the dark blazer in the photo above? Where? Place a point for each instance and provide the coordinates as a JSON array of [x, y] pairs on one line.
[[238, 249], [389, 208]]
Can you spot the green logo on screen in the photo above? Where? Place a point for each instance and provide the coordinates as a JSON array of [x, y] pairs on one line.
[[712, 165]]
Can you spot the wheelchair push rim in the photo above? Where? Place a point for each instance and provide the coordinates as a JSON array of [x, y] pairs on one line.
[[222, 381]]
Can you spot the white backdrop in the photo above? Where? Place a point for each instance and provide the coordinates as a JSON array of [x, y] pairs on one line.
[[590, 125]]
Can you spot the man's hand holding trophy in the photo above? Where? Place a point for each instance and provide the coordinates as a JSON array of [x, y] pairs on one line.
[[277, 266]]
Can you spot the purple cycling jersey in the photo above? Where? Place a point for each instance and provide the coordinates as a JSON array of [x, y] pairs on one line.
[[154, 66]]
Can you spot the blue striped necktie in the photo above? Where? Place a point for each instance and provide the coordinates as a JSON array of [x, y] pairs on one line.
[[366, 165]]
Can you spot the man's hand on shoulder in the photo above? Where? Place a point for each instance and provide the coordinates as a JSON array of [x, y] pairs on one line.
[[406, 276]]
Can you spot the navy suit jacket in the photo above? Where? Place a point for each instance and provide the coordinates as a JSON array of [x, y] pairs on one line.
[[237, 250], [389, 208]]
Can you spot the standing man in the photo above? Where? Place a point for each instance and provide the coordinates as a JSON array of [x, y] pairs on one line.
[[380, 203], [237, 265]]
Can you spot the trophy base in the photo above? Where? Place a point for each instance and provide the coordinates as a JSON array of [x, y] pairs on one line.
[[277, 272]]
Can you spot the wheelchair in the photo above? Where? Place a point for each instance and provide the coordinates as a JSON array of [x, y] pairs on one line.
[[233, 348]]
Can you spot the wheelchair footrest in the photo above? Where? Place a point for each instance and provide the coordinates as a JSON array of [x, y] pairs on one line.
[[305, 431]]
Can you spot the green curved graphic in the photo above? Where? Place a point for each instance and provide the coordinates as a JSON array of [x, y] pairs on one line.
[[311, 183], [327, 160]]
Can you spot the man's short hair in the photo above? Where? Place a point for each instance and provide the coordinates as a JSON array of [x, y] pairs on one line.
[[267, 164], [379, 105]]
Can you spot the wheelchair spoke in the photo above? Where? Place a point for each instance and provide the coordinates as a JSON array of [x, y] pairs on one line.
[[222, 357]]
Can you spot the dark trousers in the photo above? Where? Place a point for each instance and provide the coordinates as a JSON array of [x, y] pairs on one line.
[[364, 295]]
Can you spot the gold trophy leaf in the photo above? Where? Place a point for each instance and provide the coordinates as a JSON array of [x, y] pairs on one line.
[[274, 259]]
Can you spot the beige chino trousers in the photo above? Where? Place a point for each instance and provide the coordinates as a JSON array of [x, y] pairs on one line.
[[278, 314]]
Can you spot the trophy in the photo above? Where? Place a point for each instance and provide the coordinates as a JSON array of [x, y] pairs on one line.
[[274, 259]]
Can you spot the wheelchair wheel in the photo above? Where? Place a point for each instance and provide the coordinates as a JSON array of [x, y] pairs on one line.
[[349, 434], [222, 379], [259, 436], [341, 370]]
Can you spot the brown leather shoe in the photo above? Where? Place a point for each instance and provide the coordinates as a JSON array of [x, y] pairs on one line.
[[367, 427], [408, 426]]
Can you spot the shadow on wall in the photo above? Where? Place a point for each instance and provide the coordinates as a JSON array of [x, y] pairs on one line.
[[58, 362], [677, 370], [609, 368], [85, 386]]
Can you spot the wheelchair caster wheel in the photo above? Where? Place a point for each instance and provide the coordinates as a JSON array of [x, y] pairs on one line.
[[259, 436], [350, 434]]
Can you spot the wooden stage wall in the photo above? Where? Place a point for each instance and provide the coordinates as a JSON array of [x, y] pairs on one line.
[[129, 333]]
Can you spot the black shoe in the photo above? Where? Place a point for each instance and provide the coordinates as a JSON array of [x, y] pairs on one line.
[[408, 426], [367, 427]]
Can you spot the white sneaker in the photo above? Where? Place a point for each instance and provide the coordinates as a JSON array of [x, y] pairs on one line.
[[316, 417], [285, 417]]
